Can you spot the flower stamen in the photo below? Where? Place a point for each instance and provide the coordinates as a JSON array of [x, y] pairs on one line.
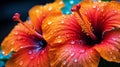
[[16, 17], [83, 21]]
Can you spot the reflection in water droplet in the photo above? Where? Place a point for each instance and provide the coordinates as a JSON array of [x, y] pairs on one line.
[[72, 42], [94, 6], [59, 40], [111, 53], [64, 62], [75, 60], [62, 22], [29, 52], [49, 22], [72, 54], [21, 63], [50, 8]]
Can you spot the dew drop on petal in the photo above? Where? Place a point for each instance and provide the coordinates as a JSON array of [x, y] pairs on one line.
[[21, 63], [59, 37], [111, 53], [37, 11], [75, 60], [64, 62], [113, 39], [31, 57], [29, 52], [114, 57], [82, 51], [49, 22], [72, 42], [13, 42], [21, 47], [59, 40], [60, 2], [16, 33], [72, 54], [50, 8], [94, 6], [62, 22]]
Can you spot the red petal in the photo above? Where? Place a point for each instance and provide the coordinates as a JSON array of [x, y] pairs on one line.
[[18, 38], [29, 57], [109, 48], [74, 56], [103, 16], [38, 13]]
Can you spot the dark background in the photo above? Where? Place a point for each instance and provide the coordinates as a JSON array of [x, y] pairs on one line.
[[7, 10]]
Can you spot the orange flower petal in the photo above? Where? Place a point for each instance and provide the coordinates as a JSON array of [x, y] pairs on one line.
[[109, 48], [74, 56], [39, 12], [18, 38], [59, 30], [29, 57]]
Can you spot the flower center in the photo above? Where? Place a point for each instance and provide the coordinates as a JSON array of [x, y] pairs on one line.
[[83, 22]]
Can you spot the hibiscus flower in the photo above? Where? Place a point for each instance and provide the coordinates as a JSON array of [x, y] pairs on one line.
[[52, 39], [26, 40], [80, 39]]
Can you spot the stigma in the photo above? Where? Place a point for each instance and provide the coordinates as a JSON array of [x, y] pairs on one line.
[[83, 22], [16, 17]]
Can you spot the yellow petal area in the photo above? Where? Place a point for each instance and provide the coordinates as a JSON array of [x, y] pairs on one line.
[[40, 12]]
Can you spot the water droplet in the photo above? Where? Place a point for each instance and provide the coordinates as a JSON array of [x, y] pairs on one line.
[[59, 40], [16, 33], [72, 54], [19, 38], [49, 23], [114, 57], [21, 63], [13, 42], [37, 11], [82, 51], [75, 60], [94, 6], [29, 52], [102, 10], [66, 50], [62, 22], [111, 53], [72, 42], [113, 39], [50, 8], [21, 46], [64, 62], [31, 57], [61, 2], [98, 8], [38, 62], [12, 49]]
